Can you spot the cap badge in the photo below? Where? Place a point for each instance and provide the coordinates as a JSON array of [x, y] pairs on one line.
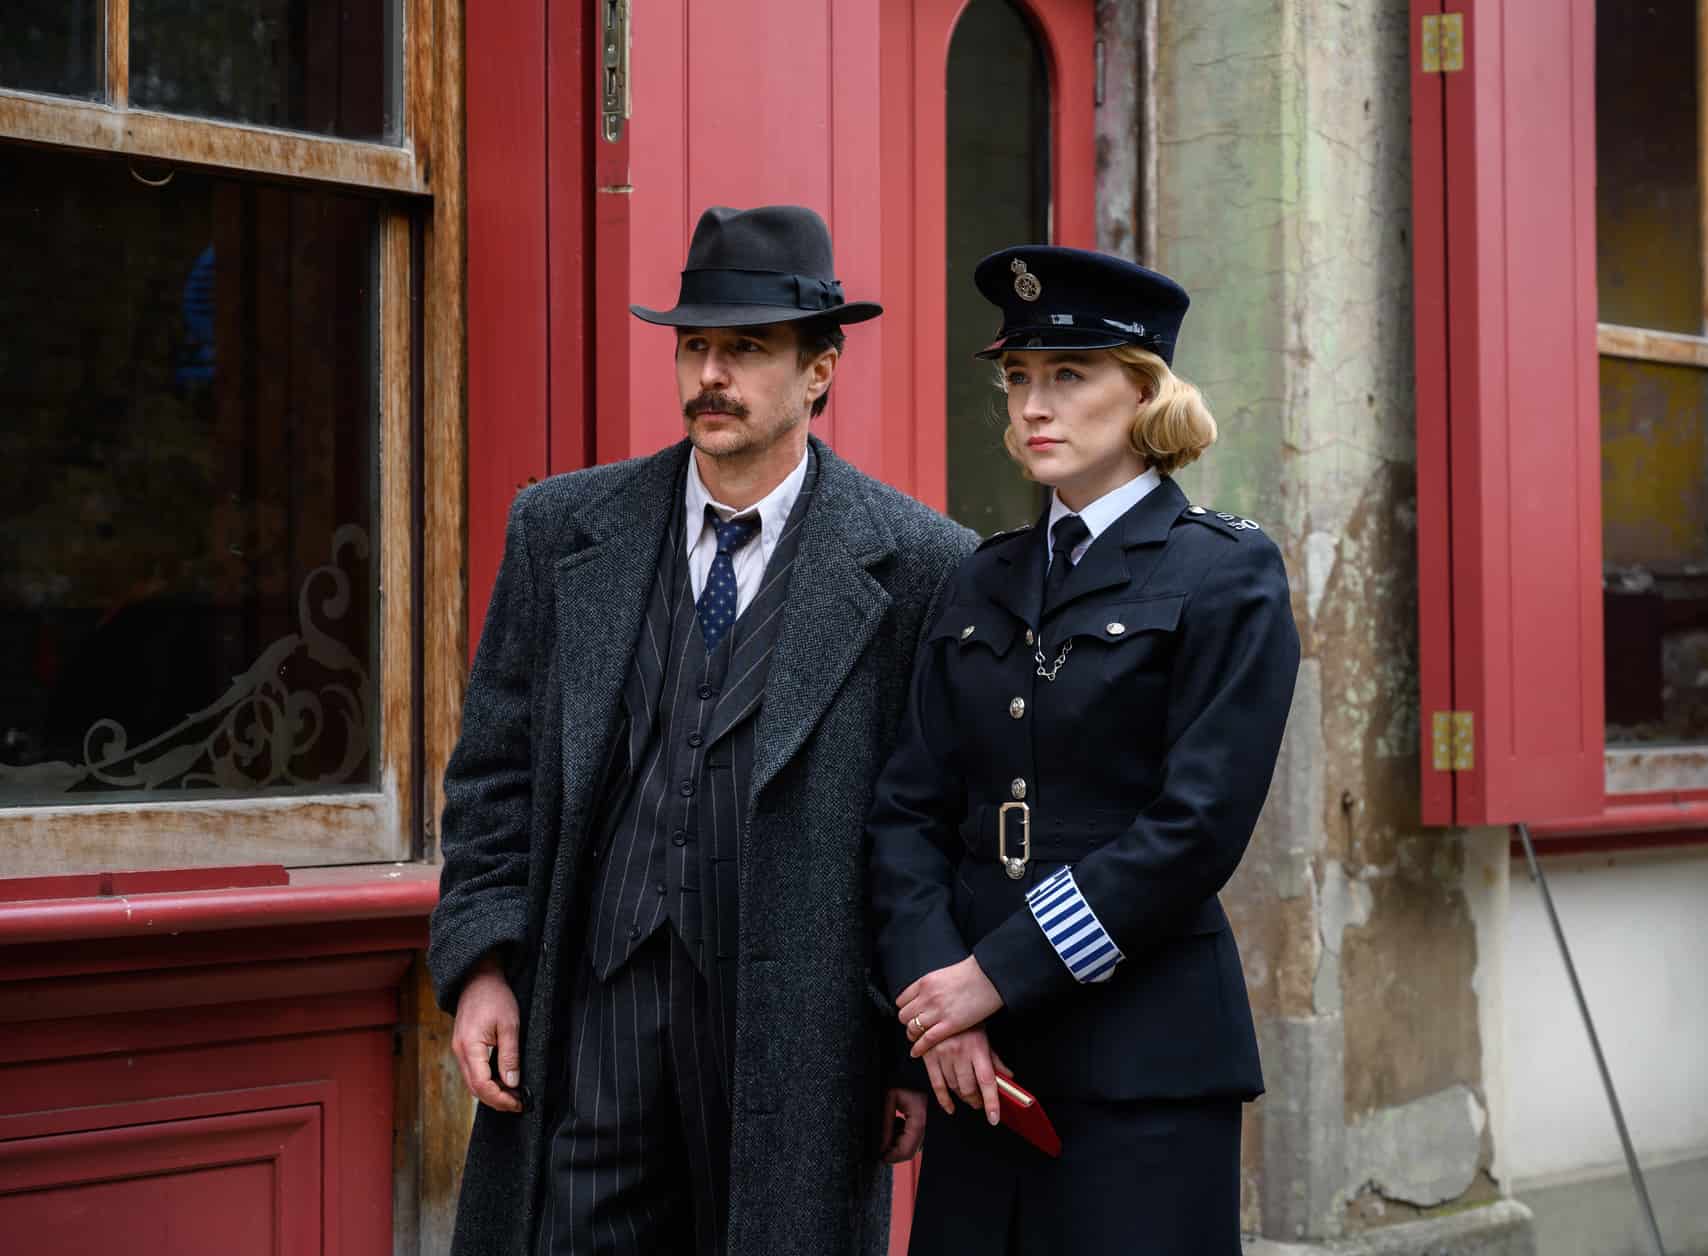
[[1025, 284]]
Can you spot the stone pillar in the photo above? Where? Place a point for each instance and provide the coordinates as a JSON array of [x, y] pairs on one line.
[[1263, 160]]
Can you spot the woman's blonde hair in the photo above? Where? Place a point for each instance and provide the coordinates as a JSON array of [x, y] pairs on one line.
[[1170, 429]]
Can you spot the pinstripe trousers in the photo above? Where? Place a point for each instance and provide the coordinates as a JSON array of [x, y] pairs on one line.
[[639, 1165]]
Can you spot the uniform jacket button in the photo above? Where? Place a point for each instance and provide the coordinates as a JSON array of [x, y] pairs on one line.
[[1017, 708]]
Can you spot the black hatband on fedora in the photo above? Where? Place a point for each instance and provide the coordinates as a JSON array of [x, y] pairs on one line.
[[767, 265]]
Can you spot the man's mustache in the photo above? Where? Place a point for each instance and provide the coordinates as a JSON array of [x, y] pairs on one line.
[[721, 402]]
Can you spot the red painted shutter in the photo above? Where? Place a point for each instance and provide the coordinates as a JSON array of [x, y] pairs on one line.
[[1509, 491]]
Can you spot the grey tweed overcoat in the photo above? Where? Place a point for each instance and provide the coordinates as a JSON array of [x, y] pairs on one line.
[[543, 702]]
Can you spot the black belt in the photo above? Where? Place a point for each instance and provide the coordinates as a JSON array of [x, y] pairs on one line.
[[1056, 836]]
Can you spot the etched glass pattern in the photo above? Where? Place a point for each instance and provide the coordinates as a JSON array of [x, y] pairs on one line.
[[188, 568]]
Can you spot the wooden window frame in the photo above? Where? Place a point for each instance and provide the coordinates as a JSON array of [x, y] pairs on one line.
[[420, 509]]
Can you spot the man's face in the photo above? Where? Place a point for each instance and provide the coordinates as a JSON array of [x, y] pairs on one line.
[[743, 389]]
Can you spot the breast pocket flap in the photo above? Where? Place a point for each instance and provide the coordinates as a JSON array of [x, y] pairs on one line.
[[1121, 621], [971, 627]]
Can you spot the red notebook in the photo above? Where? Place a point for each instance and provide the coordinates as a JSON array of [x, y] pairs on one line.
[[1022, 1113]]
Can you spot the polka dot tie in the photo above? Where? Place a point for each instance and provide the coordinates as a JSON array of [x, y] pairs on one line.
[[717, 605]]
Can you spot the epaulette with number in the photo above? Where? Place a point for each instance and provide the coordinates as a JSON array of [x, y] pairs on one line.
[[1221, 518]]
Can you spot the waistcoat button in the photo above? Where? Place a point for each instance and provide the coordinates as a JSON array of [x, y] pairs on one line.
[[695, 740], [1017, 708]]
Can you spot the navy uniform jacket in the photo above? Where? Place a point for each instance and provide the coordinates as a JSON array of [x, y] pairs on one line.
[[1144, 762]]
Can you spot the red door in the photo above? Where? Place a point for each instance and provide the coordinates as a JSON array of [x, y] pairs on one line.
[[741, 103]]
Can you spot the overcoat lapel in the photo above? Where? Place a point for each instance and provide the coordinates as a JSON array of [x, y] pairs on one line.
[[834, 608], [604, 585]]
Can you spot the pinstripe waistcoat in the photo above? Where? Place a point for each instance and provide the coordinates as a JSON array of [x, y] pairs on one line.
[[677, 783]]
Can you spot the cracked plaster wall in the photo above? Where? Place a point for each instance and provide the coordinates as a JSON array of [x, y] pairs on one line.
[[1277, 132]]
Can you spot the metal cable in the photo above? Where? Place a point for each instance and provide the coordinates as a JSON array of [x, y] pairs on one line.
[[1594, 1044]]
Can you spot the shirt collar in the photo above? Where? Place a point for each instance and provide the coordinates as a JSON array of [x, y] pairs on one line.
[[772, 509], [1111, 506]]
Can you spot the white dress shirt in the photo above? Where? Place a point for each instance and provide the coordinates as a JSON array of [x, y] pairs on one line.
[[1101, 513], [750, 560]]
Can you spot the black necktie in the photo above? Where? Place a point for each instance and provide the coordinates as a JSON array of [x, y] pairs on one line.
[[1068, 534], [717, 605]]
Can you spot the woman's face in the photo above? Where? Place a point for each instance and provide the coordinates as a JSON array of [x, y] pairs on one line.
[[1071, 413]]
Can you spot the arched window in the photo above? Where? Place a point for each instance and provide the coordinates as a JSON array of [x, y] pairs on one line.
[[987, 112], [998, 193]]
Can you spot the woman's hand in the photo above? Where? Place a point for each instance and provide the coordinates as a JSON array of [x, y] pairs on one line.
[[966, 1066], [944, 1003]]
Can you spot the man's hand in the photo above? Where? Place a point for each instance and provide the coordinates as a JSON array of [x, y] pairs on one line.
[[901, 1141], [943, 1003], [487, 1017], [966, 1066]]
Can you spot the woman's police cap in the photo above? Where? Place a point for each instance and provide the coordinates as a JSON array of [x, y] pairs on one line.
[[1058, 298]]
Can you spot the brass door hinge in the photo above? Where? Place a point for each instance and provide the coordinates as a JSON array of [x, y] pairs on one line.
[[614, 96], [1454, 738], [1443, 43]]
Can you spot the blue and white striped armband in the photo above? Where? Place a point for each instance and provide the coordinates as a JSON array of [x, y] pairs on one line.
[[1073, 928]]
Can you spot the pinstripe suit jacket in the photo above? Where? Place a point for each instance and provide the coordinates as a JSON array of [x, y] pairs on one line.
[[543, 704]]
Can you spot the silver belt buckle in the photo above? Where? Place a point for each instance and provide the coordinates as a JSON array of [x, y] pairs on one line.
[[1016, 868]]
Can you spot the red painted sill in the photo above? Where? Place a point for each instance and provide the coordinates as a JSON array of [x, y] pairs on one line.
[[310, 896], [1626, 822]]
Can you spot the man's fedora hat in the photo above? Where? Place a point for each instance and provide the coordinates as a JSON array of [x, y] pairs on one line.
[[1060, 298], [752, 266]]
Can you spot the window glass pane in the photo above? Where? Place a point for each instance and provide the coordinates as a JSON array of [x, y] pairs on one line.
[[52, 46], [327, 66], [188, 561], [998, 194], [1654, 494], [1648, 172]]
